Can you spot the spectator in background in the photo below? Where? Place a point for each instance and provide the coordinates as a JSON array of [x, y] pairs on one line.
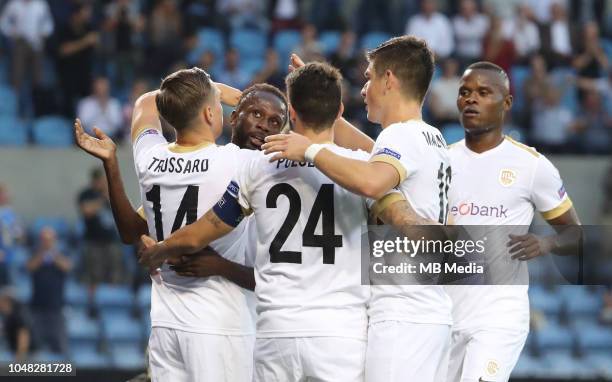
[[271, 72], [17, 325], [232, 74], [165, 37], [101, 110], [76, 42], [552, 124], [49, 268], [343, 57], [594, 125], [504, 9], [542, 11], [591, 61], [124, 24], [11, 234], [524, 33], [207, 62], [470, 28], [309, 49], [284, 14], [442, 100], [27, 23], [434, 28], [556, 37], [243, 13], [535, 85], [102, 254], [498, 48]]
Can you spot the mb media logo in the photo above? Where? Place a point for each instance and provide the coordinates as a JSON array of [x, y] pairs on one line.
[[471, 209]]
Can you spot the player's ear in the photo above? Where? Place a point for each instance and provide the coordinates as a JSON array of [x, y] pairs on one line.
[[292, 114], [208, 114], [508, 102], [389, 79], [340, 110], [233, 117]]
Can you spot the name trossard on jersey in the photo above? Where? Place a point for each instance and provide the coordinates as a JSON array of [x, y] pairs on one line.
[[501, 187], [308, 249], [420, 155], [179, 185]]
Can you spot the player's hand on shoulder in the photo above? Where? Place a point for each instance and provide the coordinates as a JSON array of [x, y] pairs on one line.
[[205, 263], [100, 146], [290, 146], [529, 246]]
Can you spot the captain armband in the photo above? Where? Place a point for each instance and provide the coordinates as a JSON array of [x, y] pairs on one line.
[[227, 208]]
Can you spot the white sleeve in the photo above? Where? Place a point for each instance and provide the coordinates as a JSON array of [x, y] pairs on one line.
[[144, 141], [243, 176], [391, 148], [548, 192]]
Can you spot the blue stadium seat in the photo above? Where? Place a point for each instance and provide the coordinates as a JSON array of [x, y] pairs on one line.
[[607, 47], [121, 328], [373, 39], [284, 44], [23, 289], [9, 104], [47, 356], [588, 304], [529, 366], [82, 330], [594, 338], [561, 77], [452, 133], [53, 131], [127, 356], [518, 75], [544, 300], [250, 43], [113, 296], [601, 361], [554, 336], [6, 356], [208, 39], [75, 294], [563, 365], [517, 134], [86, 358], [146, 323], [329, 41], [13, 132], [144, 296]]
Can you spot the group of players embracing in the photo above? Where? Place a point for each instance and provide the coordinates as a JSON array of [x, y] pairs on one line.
[[281, 213]]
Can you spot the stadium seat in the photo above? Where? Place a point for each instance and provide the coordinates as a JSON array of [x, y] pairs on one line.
[[601, 361], [127, 356], [588, 304], [208, 39], [13, 132], [607, 47], [250, 43], [58, 223], [518, 75], [329, 41], [86, 358], [554, 336], [529, 366], [144, 296], [452, 133], [594, 337], [53, 131], [82, 330], [284, 44], [6, 356], [23, 289], [517, 134], [563, 365], [373, 39], [113, 297], [569, 98], [9, 104], [75, 294], [544, 301], [121, 328]]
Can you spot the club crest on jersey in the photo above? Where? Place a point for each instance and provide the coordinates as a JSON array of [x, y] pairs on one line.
[[492, 367], [507, 177], [387, 151]]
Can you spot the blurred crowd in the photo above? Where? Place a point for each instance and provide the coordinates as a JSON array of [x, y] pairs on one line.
[[92, 59]]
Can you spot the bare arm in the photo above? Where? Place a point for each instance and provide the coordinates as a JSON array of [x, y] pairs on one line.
[[347, 135], [369, 179], [186, 241], [209, 263], [145, 114], [130, 225], [229, 95], [23, 343]]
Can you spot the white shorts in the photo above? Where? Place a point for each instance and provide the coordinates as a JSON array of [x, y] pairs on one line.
[[404, 351], [178, 356], [486, 354], [318, 359]]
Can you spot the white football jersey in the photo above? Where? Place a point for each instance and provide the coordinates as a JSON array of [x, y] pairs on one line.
[[500, 187], [420, 155], [308, 262], [178, 185]]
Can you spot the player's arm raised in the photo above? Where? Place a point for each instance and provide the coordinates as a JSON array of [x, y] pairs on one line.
[[370, 179], [229, 95], [145, 115], [129, 223]]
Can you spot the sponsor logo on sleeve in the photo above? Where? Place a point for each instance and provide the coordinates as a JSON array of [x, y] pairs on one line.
[[147, 132], [386, 151], [561, 191], [233, 189]]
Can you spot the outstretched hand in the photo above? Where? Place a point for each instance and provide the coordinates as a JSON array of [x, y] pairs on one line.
[[526, 247], [100, 146], [290, 146]]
